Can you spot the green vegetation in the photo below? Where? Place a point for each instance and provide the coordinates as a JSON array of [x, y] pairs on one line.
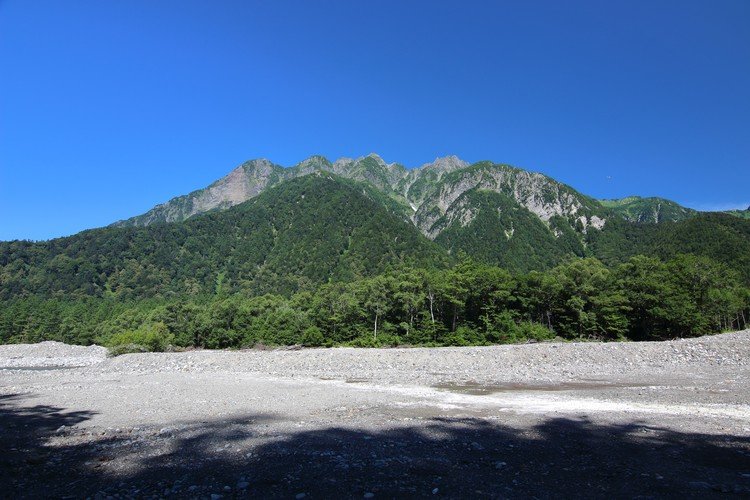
[[303, 232], [503, 233], [656, 210], [320, 260], [742, 214], [718, 236], [467, 304]]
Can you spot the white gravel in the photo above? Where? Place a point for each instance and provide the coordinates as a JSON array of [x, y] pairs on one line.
[[151, 409], [525, 363], [50, 354]]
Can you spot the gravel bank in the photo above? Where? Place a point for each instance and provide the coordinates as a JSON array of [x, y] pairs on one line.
[[50, 354], [543, 362], [585, 420]]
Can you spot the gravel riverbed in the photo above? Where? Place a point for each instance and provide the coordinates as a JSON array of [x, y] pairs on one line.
[[546, 420]]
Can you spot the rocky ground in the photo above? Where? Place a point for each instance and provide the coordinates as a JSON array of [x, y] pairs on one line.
[[540, 420]]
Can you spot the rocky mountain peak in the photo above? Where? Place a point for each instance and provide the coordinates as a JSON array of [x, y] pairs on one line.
[[316, 160], [312, 164], [445, 164]]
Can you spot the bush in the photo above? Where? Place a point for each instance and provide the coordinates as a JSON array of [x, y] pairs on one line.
[[154, 337], [312, 337], [463, 336], [126, 349], [363, 341], [535, 331], [388, 340]]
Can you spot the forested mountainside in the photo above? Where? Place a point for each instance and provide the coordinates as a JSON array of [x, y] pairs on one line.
[[719, 236], [321, 227], [327, 253], [542, 219], [308, 230]]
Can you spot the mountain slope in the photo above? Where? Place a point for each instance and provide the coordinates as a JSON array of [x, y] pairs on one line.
[[307, 230], [537, 193], [493, 228], [253, 177], [742, 214], [716, 235], [655, 210], [241, 184], [494, 213]]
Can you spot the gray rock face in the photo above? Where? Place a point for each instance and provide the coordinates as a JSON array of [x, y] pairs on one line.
[[541, 195], [244, 182]]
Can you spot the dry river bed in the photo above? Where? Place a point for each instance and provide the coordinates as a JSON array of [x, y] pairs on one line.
[[583, 420]]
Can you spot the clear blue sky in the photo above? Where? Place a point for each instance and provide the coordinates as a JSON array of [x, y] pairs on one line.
[[108, 108]]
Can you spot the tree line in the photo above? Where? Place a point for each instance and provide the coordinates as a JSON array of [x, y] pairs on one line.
[[468, 304]]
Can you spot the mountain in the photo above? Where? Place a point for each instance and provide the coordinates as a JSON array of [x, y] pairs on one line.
[[426, 194], [307, 230], [495, 213], [493, 228], [264, 227], [716, 235], [637, 209], [255, 176]]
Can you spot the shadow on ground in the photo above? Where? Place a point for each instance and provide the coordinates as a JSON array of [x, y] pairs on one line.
[[263, 456]]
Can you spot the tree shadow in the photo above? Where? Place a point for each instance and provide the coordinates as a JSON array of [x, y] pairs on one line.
[[24, 429], [266, 456]]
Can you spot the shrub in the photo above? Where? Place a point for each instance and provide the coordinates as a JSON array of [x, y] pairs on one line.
[[126, 349], [535, 331], [153, 337], [312, 337]]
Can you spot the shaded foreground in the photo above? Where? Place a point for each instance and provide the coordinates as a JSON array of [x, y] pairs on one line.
[[452, 457], [124, 428]]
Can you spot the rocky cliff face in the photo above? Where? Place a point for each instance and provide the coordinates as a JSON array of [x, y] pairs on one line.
[[535, 192], [244, 182]]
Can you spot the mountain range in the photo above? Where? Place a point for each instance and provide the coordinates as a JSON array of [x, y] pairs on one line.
[[429, 194], [264, 227]]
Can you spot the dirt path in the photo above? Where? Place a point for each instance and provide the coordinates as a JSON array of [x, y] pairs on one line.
[[545, 420]]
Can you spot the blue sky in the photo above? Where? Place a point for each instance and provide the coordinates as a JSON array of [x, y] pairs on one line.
[[108, 108]]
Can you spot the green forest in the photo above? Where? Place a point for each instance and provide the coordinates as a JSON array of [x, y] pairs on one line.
[[467, 304]]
